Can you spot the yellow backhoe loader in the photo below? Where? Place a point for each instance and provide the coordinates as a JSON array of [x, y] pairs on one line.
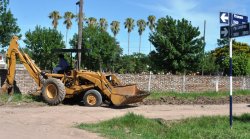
[[95, 87]]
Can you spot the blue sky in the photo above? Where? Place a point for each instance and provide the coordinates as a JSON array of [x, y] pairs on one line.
[[35, 12]]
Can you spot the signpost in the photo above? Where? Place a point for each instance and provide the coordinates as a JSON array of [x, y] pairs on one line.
[[233, 19], [238, 26], [224, 32], [240, 30], [224, 17], [239, 19]]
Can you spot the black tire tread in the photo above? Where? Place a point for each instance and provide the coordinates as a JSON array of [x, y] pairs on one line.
[[61, 91], [97, 94]]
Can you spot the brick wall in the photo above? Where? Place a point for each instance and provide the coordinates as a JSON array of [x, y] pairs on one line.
[[25, 83]]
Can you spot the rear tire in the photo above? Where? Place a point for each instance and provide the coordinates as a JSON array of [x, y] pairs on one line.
[[53, 91], [92, 98]]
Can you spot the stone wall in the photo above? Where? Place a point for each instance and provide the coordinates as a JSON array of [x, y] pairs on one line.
[[185, 83], [24, 83]]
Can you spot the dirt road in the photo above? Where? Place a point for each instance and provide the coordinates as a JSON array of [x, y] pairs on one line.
[[46, 122]]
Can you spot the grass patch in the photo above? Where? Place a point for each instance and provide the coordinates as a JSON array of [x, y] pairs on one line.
[[138, 127], [17, 98], [194, 95]]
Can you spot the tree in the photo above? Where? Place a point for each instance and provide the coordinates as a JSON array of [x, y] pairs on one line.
[[151, 24], [129, 24], [40, 42], [141, 28], [135, 63], [240, 62], [3, 6], [68, 16], [209, 64], [103, 24], [55, 16], [115, 27], [8, 28], [92, 22], [178, 46], [241, 54], [100, 50]]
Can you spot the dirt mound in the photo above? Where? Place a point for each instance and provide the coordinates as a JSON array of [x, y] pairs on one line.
[[199, 100]]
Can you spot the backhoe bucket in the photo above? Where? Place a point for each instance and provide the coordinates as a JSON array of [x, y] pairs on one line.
[[127, 94], [4, 89]]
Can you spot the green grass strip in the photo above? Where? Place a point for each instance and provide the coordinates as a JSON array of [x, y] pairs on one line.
[[17, 98], [194, 95], [132, 126]]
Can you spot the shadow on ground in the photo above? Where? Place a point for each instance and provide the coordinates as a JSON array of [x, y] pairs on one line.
[[243, 118]]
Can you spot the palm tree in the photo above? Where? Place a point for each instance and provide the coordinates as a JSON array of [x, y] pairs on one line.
[[129, 24], [141, 27], [55, 16], [103, 24], [92, 22], [115, 27], [151, 24], [68, 16]]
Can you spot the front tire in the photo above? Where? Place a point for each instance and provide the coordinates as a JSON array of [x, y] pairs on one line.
[[92, 98], [53, 91]]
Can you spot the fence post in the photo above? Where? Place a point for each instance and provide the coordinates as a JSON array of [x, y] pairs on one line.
[[243, 87], [149, 81], [183, 83], [217, 84]]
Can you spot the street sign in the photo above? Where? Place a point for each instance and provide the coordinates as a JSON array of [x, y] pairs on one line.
[[240, 30], [224, 17], [224, 32], [238, 26], [239, 19]]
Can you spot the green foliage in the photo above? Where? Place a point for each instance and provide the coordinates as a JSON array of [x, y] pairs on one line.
[[3, 6], [248, 66], [240, 62], [92, 22], [209, 65], [139, 127], [17, 98], [40, 42], [241, 54], [136, 63], [101, 50], [55, 16], [103, 24], [178, 48], [141, 28], [129, 25], [68, 16], [151, 22], [8, 28], [115, 27]]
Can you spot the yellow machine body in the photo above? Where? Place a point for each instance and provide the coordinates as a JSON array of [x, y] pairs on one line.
[[56, 87]]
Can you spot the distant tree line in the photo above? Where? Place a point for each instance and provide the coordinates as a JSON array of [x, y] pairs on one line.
[[178, 45]]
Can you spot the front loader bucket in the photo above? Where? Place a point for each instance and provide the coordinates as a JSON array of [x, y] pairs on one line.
[[127, 94]]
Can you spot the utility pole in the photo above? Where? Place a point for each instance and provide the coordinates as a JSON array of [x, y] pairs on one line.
[[80, 27]]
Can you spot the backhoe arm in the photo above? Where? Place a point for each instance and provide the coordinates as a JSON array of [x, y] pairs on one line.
[[31, 67]]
